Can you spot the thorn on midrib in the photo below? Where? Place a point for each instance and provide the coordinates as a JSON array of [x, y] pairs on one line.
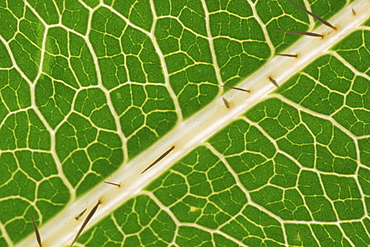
[[302, 33], [314, 16], [273, 81], [226, 103], [237, 88], [89, 216], [114, 184], [157, 160], [38, 237], [80, 214], [287, 55]]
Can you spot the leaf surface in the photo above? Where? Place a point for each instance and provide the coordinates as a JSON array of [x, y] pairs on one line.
[[95, 91]]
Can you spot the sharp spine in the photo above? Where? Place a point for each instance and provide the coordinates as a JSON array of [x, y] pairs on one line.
[[237, 88], [160, 157], [302, 33], [274, 81], [89, 216], [80, 214], [115, 184], [314, 16], [38, 237], [227, 104], [287, 55]]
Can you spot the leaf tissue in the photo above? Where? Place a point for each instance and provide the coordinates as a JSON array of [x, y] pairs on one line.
[[189, 123]]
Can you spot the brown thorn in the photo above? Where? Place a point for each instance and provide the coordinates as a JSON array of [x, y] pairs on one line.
[[237, 88], [227, 104], [273, 81], [80, 215], [314, 16], [92, 212], [160, 157], [302, 33], [287, 55], [353, 12], [118, 185], [38, 237]]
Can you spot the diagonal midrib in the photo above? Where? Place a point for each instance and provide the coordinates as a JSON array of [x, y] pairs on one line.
[[192, 132]]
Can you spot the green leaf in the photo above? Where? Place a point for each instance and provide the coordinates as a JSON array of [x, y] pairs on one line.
[[94, 92]]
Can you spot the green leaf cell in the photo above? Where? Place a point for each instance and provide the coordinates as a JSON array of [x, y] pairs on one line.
[[15, 91], [54, 99], [329, 235], [75, 16], [24, 129], [27, 55], [92, 103], [287, 204], [5, 61], [47, 10], [9, 26], [138, 12], [356, 232], [87, 155], [146, 113], [300, 235], [32, 27], [353, 50]]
